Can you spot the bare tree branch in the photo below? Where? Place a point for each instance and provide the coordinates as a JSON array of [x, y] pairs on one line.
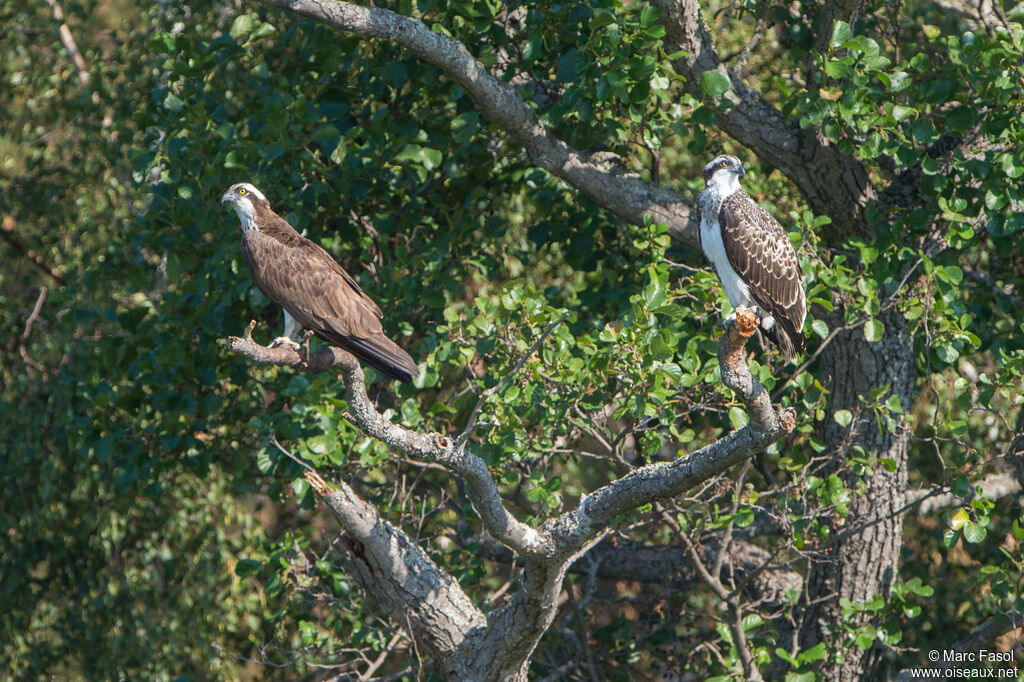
[[69, 43], [31, 320], [626, 195]]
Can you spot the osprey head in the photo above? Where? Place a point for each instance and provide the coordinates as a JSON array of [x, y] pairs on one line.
[[245, 198], [725, 170]]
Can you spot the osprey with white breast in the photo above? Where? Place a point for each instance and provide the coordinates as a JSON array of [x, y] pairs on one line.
[[315, 292], [752, 254]]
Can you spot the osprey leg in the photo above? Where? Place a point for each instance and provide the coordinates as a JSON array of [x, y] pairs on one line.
[[291, 333]]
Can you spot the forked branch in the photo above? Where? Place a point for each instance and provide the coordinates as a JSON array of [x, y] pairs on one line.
[[501, 649]]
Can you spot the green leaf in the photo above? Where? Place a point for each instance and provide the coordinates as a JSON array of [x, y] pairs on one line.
[[837, 68], [738, 417], [951, 274], [840, 34], [648, 15], [246, 567], [820, 328], [308, 631], [242, 26], [173, 103], [714, 83], [862, 44], [843, 417], [565, 69], [974, 532], [263, 461], [901, 113], [947, 353], [815, 653], [427, 157], [874, 330]]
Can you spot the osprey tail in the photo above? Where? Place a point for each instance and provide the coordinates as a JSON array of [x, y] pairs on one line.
[[381, 353], [789, 340]]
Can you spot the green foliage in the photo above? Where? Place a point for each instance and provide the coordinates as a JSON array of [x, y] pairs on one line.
[[150, 519]]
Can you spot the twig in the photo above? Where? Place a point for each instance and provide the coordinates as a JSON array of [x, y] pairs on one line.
[[388, 648], [33, 316], [732, 603], [72, 47], [292, 457], [29, 254], [755, 39]]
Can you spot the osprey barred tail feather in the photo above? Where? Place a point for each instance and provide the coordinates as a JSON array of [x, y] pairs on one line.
[[315, 292], [752, 255]]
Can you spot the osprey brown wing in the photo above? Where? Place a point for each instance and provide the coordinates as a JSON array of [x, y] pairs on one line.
[[306, 281], [766, 261]]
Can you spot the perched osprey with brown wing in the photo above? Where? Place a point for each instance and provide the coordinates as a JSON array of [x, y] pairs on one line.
[[315, 292], [752, 255]]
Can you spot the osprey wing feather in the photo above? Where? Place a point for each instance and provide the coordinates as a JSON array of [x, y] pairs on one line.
[[765, 259], [313, 289]]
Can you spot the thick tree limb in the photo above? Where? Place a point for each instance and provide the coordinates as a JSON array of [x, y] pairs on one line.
[[617, 559], [626, 195], [392, 569]]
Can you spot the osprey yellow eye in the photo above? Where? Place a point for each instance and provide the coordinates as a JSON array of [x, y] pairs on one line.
[[242, 190]]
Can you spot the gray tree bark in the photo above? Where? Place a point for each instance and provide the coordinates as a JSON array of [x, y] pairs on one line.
[[862, 559]]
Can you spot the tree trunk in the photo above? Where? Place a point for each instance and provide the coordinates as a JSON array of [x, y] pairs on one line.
[[862, 559]]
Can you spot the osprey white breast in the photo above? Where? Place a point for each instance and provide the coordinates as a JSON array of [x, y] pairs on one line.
[[720, 187]]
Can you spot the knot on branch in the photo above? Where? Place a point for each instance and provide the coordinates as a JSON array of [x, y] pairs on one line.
[[787, 418]]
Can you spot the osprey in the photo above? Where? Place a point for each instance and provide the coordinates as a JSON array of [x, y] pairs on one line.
[[315, 292], [752, 255]]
